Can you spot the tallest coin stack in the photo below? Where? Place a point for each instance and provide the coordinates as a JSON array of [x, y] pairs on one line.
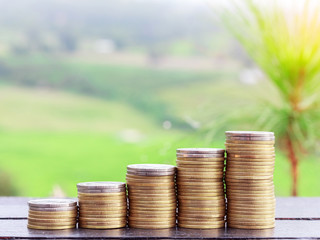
[[249, 179]]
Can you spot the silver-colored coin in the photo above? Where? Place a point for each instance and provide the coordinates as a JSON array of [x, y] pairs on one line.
[[150, 174], [101, 190], [101, 185], [200, 151], [249, 138], [185, 155], [151, 167], [249, 134], [47, 203]]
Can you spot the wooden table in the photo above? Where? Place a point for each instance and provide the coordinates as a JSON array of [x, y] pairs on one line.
[[296, 218]]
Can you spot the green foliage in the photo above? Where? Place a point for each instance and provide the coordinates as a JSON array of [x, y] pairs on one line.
[[285, 44]]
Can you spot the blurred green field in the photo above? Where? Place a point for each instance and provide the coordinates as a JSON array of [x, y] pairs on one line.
[[53, 139]]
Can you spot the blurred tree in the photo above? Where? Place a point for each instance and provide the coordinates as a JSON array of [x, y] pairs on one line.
[[283, 38], [6, 186]]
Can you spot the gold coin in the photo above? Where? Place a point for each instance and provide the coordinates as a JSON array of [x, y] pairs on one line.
[[195, 170], [272, 142], [52, 209], [209, 175], [254, 223], [202, 209], [199, 165], [101, 204], [152, 196], [96, 221], [50, 227], [252, 206], [212, 187], [195, 226], [160, 212], [246, 187], [250, 182], [144, 221], [249, 146], [118, 197], [201, 221], [152, 201], [201, 190], [250, 196], [218, 182], [104, 213], [247, 213], [242, 226], [251, 215], [249, 177], [233, 174], [204, 159], [236, 170], [51, 220], [102, 226], [159, 178], [153, 214], [99, 208], [197, 175], [252, 210], [220, 194], [142, 226], [80, 194], [250, 164], [141, 197], [200, 198], [51, 217], [147, 184], [53, 224], [152, 181], [152, 189], [157, 219], [250, 152], [209, 216], [250, 156], [244, 190], [108, 219], [153, 205], [53, 212], [200, 180], [253, 161], [73, 214], [202, 205], [199, 156], [252, 200]]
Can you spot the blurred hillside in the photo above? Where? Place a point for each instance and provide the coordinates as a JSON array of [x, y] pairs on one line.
[[87, 87]]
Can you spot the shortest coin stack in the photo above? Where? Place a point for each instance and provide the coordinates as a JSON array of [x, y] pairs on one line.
[[152, 196], [102, 205], [50, 214]]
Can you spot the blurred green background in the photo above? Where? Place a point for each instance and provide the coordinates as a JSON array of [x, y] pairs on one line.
[[88, 87]]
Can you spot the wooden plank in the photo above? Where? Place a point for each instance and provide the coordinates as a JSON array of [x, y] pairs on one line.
[[286, 208], [293, 229]]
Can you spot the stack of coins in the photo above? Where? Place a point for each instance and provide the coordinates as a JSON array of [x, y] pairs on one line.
[[102, 205], [201, 197], [249, 179], [152, 196], [50, 214]]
